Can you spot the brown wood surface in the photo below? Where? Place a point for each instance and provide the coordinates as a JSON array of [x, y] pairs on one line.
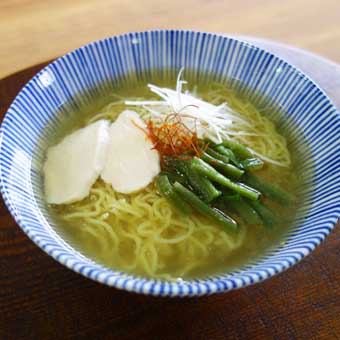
[[40, 299], [32, 31]]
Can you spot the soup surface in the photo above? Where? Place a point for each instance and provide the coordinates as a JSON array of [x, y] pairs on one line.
[[142, 234]]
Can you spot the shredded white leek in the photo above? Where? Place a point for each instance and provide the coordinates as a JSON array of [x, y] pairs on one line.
[[215, 122], [212, 121]]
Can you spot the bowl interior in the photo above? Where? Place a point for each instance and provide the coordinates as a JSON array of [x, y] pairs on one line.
[[302, 111]]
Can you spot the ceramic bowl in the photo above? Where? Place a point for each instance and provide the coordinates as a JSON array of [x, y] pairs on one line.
[[304, 112]]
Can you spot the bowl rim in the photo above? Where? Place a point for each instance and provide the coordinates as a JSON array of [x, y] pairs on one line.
[[207, 288]]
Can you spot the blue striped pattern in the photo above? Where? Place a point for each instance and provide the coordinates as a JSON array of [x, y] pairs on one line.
[[305, 113]]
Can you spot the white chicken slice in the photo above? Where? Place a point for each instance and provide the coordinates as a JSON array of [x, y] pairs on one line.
[[73, 165], [131, 162]]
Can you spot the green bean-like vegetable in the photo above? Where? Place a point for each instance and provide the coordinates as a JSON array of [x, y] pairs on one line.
[[231, 197], [201, 185], [239, 150], [167, 191], [230, 154], [269, 189], [217, 155], [244, 210], [207, 170], [204, 209], [252, 163], [267, 215], [225, 169], [175, 177]]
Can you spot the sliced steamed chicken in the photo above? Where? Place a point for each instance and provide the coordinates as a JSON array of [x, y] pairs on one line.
[[131, 162], [73, 165]]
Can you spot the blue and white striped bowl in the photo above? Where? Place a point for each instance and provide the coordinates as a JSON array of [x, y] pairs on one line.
[[306, 113]]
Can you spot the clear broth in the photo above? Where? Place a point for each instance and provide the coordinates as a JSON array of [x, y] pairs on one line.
[[258, 241]]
